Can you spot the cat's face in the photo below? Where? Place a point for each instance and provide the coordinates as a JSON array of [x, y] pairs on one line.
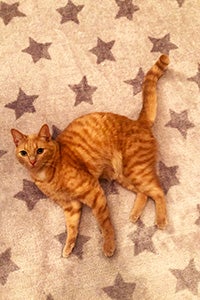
[[34, 151]]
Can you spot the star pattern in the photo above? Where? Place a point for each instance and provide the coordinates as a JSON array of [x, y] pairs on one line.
[[30, 194], [49, 297], [109, 187], [167, 176], [103, 51], [56, 131], [142, 238], [9, 11], [196, 78], [83, 91], [162, 45], [70, 12], [137, 82], [37, 50], [187, 278], [81, 241], [180, 2], [121, 289], [2, 152], [197, 222], [180, 121], [6, 266], [23, 104], [126, 9]]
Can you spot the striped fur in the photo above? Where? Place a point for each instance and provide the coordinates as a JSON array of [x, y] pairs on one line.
[[98, 145]]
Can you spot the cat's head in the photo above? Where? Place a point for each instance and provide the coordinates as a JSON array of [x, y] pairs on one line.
[[36, 150]]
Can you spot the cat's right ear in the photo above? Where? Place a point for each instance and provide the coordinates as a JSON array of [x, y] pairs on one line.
[[44, 133], [18, 137]]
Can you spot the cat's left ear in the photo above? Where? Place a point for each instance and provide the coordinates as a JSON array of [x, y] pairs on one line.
[[44, 133], [18, 137]]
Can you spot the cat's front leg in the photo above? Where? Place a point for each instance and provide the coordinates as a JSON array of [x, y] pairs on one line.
[[72, 212]]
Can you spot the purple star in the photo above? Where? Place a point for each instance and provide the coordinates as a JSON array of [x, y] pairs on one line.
[[56, 132], [142, 238], [109, 187], [180, 2], [37, 50], [187, 278], [2, 152], [30, 194], [126, 9], [197, 222], [6, 266], [167, 176], [120, 289], [103, 51], [196, 78], [137, 82], [9, 11], [162, 45], [83, 91], [23, 104], [70, 12], [180, 121], [81, 241]]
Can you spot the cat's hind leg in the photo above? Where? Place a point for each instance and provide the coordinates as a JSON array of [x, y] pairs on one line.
[[72, 211], [140, 200]]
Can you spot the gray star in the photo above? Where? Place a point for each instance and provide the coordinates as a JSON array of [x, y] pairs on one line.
[[196, 78], [197, 222], [83, 91], [126, 9], [103, 51], [81, 241], [137, 82], [49, 297], [109, 187], [167, 176], [6, 266], [142, 238], [162, 45], [121, 289], [180, 121], [30, 194], [70, 12], [187, 278], [24, 103], [180, 2], [37, 50], [56, 132], [2, 152], [9, 11]]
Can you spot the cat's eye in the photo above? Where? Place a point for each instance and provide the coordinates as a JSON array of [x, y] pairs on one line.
[[23, 153], [40, 150]]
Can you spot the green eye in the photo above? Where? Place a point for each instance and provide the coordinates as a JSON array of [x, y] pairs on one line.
[[40, 150], [23, 153]]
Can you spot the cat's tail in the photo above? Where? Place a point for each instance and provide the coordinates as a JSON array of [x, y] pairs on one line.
[[148, 112]]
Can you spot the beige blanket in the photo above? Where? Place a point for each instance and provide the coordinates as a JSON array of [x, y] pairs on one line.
[[59, 60]]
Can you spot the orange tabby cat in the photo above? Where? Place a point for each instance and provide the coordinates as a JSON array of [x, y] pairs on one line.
[[98, 145]]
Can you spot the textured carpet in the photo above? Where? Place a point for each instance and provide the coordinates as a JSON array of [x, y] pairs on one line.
[[59, 60]]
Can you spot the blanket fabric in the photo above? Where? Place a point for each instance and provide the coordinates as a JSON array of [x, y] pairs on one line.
[[59, 60]]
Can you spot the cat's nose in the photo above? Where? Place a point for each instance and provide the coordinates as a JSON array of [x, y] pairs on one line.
[[32, 161]]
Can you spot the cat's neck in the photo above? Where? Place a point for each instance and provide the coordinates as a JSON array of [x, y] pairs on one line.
[[46, 172]]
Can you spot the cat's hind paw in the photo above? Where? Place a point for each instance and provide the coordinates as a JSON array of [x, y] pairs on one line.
[[109, 248], [67, 250]]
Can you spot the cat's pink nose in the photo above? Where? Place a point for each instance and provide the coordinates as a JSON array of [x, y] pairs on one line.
[[32, 161]]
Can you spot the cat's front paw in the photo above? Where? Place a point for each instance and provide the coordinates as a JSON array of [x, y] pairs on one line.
[[67, 250], [161, 223], [109, 248]]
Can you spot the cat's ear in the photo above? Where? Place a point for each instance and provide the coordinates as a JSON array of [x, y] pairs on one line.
[[18, 137], [44, 133]]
